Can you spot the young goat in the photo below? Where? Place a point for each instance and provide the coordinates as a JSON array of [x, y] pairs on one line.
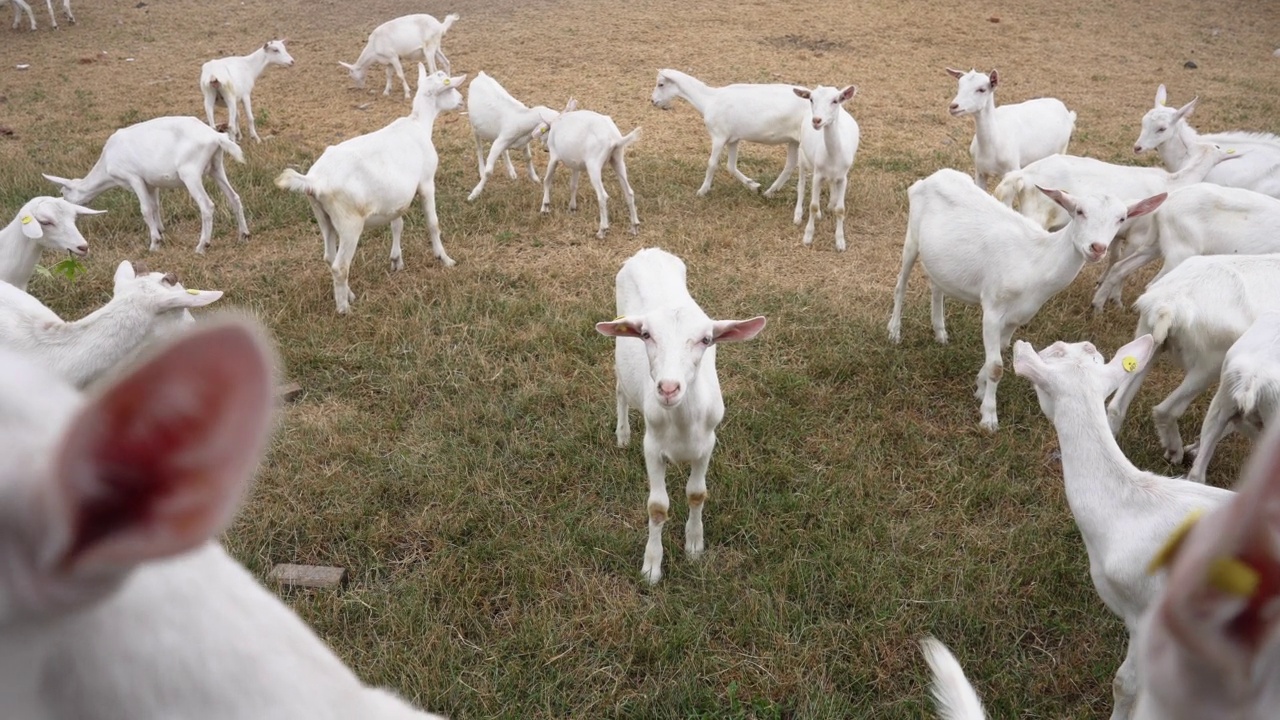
[[828, 146], [499, 118], [229, 79], [165, 152], [1008, 137], [141, 307], [1202, 219], [114, 601], [1124, 514], [21, 6], [767, 114], [1209, 645], [412, 37], [665, 359], [371, 180], [1166, 131], [1197, 312], [43, 223], [1248, 392], [980, 252], [586, 140]]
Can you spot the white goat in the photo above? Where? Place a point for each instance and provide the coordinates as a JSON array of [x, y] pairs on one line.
[[1124, 514], [767, 114], [21, 6], [955, 697], [412, 37], [43, 223], [980, 252], [370, 181], [164, 152], [828, 145], [226, 80], [665, 359], [1197, 312], [1202, 219], [81, 351], [1248, 394], [1166, 131], [114, 601], [1076, 174], [1209, 646], [586, 140], [499, 118], [1008, 137]]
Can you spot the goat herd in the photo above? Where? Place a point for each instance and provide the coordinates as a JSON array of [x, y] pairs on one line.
[[95, 489]]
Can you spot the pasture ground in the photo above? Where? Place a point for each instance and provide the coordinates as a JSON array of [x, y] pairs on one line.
[[454, 446]]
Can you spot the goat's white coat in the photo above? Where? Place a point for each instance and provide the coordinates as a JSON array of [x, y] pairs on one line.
[[43, 223], [1197, 312], [955, 697], [586, 140], [980, 252], [828, 146], [164, 152], [498, 118], [415, 38], [370, 181], [1124, 514], [665, 359], [1166, 130], [110, 612], [21, 6], [769, 114], [231, 79], [1008, 137]]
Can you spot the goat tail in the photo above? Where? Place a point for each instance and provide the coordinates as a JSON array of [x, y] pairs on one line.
[[294, 181], [230, 147], [1248, 392], [1010, 187], [955, 697], [1161, 323], [215, 82], [626, 140], [449, 20]]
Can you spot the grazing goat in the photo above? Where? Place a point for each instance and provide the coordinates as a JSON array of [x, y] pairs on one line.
[[665, 359], [980, 252], [1209, 645], [229, 79], [165, 152], [412, 37], [767, 114], [499, 118], [1008, 137], [43, 223], [141, 307], [1124, 514], [1197, 312], [828, 146], [114, 601], [1166, 130], [370, 181], [586, 140]]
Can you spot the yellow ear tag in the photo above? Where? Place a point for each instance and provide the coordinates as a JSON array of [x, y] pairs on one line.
[[26, 219], [1234, 576], [1231, 151], [447, 81], [1167, 551], [192, 292], [1129, 363], [620, 317]]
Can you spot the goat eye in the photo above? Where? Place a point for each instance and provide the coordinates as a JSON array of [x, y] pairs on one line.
[[644, 334]]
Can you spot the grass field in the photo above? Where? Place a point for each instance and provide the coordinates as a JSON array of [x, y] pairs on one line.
[[454, 447]]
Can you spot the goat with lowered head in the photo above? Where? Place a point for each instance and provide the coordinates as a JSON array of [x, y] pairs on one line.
[[586, 140], [164, 152], [371, 180], [769, 114], [231, 79], [828, 145], [43, 223], [980, 252], [665, 360], [1008, 137], [412, 37], [504, 121], [115, 602]]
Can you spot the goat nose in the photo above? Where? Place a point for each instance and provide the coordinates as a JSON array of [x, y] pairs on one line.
[[1137, 149], [667, 388], [955, 106], [82, 249], [817, 123], [1098, 248]]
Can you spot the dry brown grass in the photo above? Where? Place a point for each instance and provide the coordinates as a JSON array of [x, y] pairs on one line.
[[454, 446]]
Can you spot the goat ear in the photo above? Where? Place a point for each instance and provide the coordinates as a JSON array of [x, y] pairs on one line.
[[957, 74], [82, 210], [995, 77], [1067, 202], [737, 330], [1185, 111], [1149, 205], [571, 105], [124, 273], [1162, 95], [622, 327], [60, 181], [457, 80], [346, 65], [847, 94], [190, 298], [1130, 359], [1027, 362], [422, 75], [31, 227], [156, 463], [802, 92]]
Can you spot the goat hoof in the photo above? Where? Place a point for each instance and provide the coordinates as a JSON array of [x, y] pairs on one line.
[[991, 425], [397, 264], [244, 237]]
